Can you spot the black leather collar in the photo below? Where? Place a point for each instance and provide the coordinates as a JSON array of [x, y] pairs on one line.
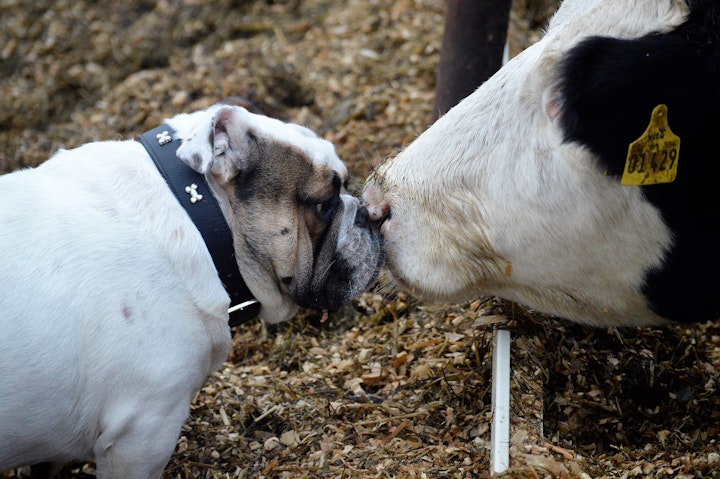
[[195, 196]]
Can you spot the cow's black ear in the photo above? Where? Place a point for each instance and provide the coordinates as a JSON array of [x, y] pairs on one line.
[[609, 87]]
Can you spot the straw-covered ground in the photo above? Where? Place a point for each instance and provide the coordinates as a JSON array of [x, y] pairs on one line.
[[386, 387]]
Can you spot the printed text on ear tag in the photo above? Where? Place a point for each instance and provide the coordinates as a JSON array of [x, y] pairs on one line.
[[653, 158]]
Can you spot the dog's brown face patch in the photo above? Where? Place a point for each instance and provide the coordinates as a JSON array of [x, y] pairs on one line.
[[283, 205]]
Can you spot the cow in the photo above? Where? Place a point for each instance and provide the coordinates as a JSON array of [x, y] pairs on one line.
[[577, 180]]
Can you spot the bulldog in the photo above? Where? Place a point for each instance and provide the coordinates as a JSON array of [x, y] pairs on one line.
[[115, 303]]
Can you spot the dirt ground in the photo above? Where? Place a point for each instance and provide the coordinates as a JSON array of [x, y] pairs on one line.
[[387, 387]]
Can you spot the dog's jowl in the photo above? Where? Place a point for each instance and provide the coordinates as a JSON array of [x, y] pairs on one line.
[[577, 179], [119, 262]]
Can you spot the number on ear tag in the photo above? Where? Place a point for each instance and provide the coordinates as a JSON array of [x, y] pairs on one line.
[[652, 159]]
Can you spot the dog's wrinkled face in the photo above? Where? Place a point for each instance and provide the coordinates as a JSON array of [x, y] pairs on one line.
[[300, 238]]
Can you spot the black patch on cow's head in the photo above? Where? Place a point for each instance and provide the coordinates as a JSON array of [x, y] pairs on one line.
[[610, 86], [608, 89]]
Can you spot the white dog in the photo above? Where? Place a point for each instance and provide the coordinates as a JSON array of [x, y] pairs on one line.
[[114, 304], [534, 188]]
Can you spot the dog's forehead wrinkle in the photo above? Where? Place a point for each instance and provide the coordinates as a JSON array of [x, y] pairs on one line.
[[288, 166], [317, 149]]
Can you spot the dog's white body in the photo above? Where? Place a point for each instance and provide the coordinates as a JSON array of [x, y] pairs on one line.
[[112, 314], [118, 376]]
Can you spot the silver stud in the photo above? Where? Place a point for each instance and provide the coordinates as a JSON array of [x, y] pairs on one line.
[[192, 191], [163, 138]]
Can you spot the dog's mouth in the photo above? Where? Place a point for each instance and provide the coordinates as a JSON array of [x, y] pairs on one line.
[[346, 265]]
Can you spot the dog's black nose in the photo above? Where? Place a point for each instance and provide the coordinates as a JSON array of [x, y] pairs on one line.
[[362, 217]]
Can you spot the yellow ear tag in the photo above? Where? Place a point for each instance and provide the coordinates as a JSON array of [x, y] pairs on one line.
[[652, 159]]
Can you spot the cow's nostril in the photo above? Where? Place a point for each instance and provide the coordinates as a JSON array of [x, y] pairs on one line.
[[377, 224], [378, 211]]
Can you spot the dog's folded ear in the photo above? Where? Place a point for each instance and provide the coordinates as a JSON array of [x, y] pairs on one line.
[[220, 145]]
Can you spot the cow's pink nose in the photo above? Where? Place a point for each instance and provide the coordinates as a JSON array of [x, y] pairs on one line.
[[378, 211], [378, 208]]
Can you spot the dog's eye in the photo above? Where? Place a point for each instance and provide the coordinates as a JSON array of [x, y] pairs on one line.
[[326, 209]]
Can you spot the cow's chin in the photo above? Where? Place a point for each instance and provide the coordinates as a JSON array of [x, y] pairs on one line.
[[433, 292], [408, 271]]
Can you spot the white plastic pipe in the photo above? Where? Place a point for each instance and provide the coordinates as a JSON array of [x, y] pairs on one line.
[[500, 433]]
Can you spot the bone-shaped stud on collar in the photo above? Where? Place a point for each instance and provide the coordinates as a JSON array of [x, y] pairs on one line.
[[192, 191]]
